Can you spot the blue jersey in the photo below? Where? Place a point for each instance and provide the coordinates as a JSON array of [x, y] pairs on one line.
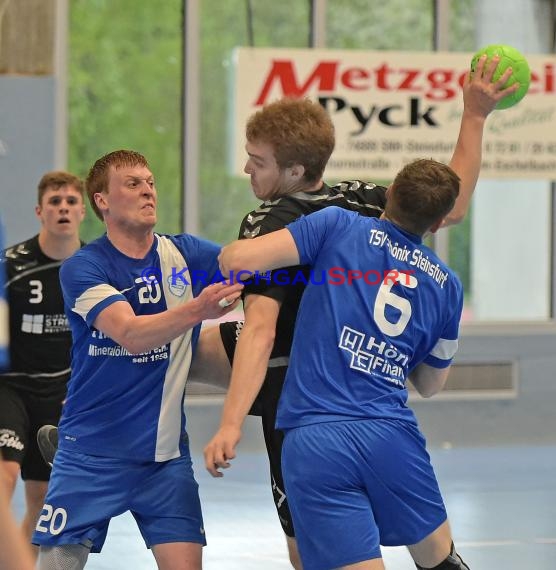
[[4, 328], [120, 404], [378, 303]]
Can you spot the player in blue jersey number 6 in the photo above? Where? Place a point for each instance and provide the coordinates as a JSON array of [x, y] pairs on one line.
[[122, 439], [356, 470]]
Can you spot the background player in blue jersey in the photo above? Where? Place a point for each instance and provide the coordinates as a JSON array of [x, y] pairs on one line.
[[33, 388], [288, 145], [356, 470], [135, 301], [4, 326], [15, 554]]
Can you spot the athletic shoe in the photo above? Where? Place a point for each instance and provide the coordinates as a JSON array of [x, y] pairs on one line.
[[47, 440]]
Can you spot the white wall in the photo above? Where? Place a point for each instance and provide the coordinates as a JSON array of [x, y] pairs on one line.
[[510, 248]]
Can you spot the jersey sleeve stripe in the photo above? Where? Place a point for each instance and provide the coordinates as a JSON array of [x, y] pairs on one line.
[[445, 349], [97, 298]]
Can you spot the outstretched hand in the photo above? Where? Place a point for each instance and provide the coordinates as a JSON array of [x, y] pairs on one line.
[[481, 92]]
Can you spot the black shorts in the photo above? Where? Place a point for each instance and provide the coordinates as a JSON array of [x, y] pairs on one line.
[[266, 406], [21, 415]]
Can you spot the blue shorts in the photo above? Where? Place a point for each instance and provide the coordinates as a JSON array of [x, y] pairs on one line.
[[355, 485], [86, 491]]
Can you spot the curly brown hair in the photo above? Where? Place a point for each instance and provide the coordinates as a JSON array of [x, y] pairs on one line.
[[299, 130]]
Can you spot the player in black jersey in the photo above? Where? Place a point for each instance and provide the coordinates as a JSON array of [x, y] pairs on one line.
[[34, 386], [289, 143]]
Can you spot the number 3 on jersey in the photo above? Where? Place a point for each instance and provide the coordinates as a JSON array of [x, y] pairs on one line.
[[36, 291], [385, 297]]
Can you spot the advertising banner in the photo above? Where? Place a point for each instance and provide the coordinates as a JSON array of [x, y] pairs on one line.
[[390, 107]]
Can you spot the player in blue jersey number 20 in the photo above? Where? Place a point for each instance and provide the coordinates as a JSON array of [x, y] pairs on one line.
[[122, 439]]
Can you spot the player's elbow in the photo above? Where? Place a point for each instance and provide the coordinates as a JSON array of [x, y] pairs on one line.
[[129, 340], [265, 337], [260, 336], [133, 346], [427, 391], [428, 381], [119, 323]]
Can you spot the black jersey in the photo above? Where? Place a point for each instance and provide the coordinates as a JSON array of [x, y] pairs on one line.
[[365, 198], [40, 338]]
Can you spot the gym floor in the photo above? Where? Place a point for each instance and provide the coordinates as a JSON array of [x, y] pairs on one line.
[[501, 502]]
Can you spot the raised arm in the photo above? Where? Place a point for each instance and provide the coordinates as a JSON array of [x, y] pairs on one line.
[[480, 96]]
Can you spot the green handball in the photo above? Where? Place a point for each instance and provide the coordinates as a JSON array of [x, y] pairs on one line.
[[509, 57]]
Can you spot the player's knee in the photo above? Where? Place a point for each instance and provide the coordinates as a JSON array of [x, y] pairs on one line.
[[452, 562], [67, 556]]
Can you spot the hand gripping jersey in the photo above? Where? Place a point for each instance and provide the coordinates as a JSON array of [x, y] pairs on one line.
[[39, 330], [356, 342], [120, 404]]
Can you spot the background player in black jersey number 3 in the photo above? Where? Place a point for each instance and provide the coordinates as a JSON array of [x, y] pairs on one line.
[[34, 386], [289, 143]]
